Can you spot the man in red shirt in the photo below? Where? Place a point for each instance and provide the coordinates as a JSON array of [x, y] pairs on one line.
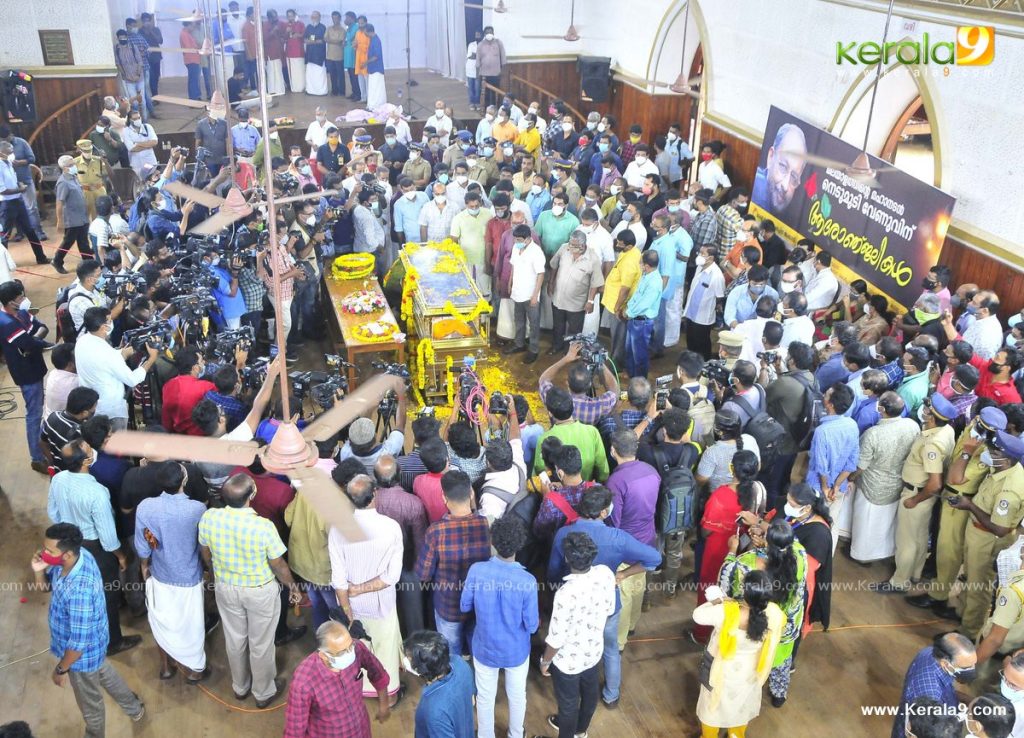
[[182, 392], [434, 455], [996, 382]]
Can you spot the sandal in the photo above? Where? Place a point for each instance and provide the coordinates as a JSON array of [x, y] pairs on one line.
[[399, 696]]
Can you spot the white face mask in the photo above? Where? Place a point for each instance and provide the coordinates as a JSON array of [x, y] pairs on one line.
[[136, 124], [535, 189], [700, 260], [341, 661], [601, 127], [25, 304], [410, 195], [440, 199], [567, 127], [100, 129], [640, 158], [470, 163], [615, 189], [488, 117], [670, 137], [72, 170], [557, 209], [414, 155], [489, 37], [868, 309], [438, 114], [407, 665], [788, 287], [311, 220], [461, 179], [793, 512]]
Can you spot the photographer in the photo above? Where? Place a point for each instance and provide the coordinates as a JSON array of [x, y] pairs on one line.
[[773, 358], [785, 398], [181, 393], [226, 292], [362, 438], [369, 235], [702, 408], [103, 367], [746, 397], [586, 409], [86, 292], [506, 469], [306, 240], [227, 385]]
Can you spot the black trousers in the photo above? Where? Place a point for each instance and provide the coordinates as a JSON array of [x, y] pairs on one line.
[[75, 234], [698, 338], [491, 98], [564, 323], [576, 695], [14, 213], [336, 71], [154, 74], [353, 82], [111, 574]]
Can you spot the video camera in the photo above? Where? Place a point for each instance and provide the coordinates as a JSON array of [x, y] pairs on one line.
[[715, 370], [389, 402], [116, 285], [663, 385], [592, 351], [255, 374], [286, 183], [191, 280], [222, 346], [194, 305], [498, 405], [156, 334], [321, 386], [768, 357]]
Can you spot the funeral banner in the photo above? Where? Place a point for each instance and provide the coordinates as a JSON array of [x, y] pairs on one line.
[[888, 235]]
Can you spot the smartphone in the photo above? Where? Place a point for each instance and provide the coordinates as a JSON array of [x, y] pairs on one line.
[[544, 478], [952, 500]]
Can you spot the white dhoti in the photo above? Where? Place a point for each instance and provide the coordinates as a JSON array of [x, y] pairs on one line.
[[178, 623], [592, 320], [275, 77], [506, 319], [317, 82], [386, 644], [841, 511], [874, 529], [482, 279], [673, 317], [297, 74], [376, 92]]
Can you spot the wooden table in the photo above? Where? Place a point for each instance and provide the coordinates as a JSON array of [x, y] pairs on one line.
[[343, 324]]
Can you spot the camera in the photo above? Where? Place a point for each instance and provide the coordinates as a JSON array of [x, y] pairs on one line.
[[498, 404], [222, 346], [156, 334], [195, 305], [117, 284], [662, 384], [321, 386], [255, 374], [335, 363], [768, 357], [715, 370], [389, 402], [287, 183], [183, 150], [592, 351]]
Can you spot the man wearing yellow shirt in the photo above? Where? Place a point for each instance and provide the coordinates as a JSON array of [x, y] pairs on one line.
[[619, 286], [529, 137], [504, 129]]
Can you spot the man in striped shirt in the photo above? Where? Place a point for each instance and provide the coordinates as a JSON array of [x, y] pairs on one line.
[[63, 426]]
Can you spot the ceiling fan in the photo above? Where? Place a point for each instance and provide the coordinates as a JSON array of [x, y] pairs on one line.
[[692, 85], [291, 453], [498, 7], [232, 208], [571, 34], [861, 169]]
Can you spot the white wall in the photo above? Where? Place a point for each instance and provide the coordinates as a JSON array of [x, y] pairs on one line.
[[759, 54], [86, 19]]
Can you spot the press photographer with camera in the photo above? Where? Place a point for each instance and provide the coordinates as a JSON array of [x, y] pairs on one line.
[[362, 437], [103, 367], [87, 292], [229, 298], [581, 377], [227, 388], [772, 359], [181, 393], [306, 240]]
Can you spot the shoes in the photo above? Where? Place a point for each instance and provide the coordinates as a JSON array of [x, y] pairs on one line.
[[242, 696], [290, 635], [140, 714], [553, 722], [399, 696], [509, 350], [203, 676], [886, 588], [611, 704], [41, 466], [58, 266], [279, 684], [924, 601], [778, 701], [946, 612], [42, 261], [126, 643], [530, 358], [290, 357]]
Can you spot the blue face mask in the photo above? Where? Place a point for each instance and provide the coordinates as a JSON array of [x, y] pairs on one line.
[[673, 208], [442, 178], [972, 308], [488, 151], [603, 147], [463, 146], [101, 283], [756, 289]]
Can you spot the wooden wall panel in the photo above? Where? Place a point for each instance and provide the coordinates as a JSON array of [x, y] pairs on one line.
[[740, 156], [53, 93], [971, 265]]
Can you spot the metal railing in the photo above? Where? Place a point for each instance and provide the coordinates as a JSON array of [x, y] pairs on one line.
[[543, 96]]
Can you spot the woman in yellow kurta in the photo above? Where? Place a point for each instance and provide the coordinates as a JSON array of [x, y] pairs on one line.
[[741, 649]]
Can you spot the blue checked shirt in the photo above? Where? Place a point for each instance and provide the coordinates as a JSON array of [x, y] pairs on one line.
[[234, 410], [77, 498], [894, 372], [925, 678], [587, 410], [504, 597], [78, 613], [173, 521], [242, 544], [835, 447]]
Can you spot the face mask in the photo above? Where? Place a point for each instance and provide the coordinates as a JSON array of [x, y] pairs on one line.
[[923, 317], [1011, 341], [72, 170], [109, 325], [488, 151], [524, 124], [601, 127], [464, 146], [508, 150], [633, 138], [438, 114], [442, 178], [136, 124], [972, 309], [535, 189], [307, 170], [955, 301], [994, 367], [25, 304], [567, 127], [341, 661], [611, 507], [557, 209], [100, 129], [673, 208], [641, 159], [1005, 689], [461, 179], [122, 41], [615, 189], [700, 260], [51, 559], [502, 120], [671, 137], [620, 206], [965, 676], [705, 156], [407, 665], [788, 287], [756, 289], [414, 155], [500, 213], [922, 415], [390, 140], [311, 220], [520, 244], [928, 284], [793, 512], [410, 195], [473, 211], [603, 147], [440, 198], [488, 117], [489, 37], [532, 110], [592, 125]]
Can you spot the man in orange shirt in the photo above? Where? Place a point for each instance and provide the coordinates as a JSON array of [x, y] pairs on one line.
[[362, 44], [191, 58], [734, 261]]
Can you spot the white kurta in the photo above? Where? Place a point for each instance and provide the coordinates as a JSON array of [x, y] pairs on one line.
[[874, 529], [673, 317]]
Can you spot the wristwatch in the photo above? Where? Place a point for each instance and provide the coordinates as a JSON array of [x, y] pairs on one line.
[[59, 670]]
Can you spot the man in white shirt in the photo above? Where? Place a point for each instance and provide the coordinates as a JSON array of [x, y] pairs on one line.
[[823, 288], [103, 367], [753, 328], [364, 574], [707, 289], [710, 173], [527, 279], [316, 134], [633, 220], [141, 141], [641, 166], [442, 124], [86, 294], [506, 469], [985, 334], [402, 133], [796, 323], [599, 241]]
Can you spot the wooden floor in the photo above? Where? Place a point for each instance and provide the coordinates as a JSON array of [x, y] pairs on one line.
[[859, 663]]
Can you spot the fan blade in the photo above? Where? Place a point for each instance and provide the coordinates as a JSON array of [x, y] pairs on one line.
[[300, 198], [562, 37], [195, 194], [170, 99], [216, 223], [328, 500], [356, 404], [183, 448]]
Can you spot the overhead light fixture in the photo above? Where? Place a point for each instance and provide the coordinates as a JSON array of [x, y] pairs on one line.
[[682, 83], [500, 7], [571, 34]]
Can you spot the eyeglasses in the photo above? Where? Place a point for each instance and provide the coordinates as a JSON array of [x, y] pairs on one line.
[[786, 171]]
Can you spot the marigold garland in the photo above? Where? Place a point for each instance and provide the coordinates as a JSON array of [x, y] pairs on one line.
[[424, 354], [363, 334], [408, 290], [449, 380], [353, 266], [482, 306]]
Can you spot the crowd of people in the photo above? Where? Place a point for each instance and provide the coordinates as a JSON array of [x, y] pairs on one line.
[[802, 417]]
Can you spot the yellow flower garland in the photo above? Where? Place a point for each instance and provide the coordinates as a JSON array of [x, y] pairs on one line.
[[408, 290], [364, 336], [482, 306], [424, 354], [353, 266], [449, 380]]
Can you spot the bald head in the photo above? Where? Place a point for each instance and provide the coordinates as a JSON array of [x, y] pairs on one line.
[[237, 490], [330, 631], [386, 471]]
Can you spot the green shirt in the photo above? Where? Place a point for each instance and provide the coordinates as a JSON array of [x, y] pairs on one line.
[[913, 390], [554, 231], [587, 439], [307, 539]]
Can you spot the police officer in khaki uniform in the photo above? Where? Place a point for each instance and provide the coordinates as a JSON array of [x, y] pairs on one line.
[[93, 173], [1003, 632], [995, 510], [730, 346], [965, 475], [486, 170], [417, 168], [922, 482]]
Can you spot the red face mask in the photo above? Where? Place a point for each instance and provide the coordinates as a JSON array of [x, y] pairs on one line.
[[51, 559], [705, 156]]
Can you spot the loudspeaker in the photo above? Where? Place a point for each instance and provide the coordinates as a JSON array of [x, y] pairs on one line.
[[594, 77], [17, 97]]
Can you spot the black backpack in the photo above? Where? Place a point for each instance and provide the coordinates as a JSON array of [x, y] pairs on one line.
[[66, 330], [810, 414], [763, 428], [676, 498], [522, 505]]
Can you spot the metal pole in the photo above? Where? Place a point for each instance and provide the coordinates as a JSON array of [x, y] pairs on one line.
[[878, 77], [268, 183], [224, 89]]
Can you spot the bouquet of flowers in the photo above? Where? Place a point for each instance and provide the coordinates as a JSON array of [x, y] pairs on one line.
[[363, 302]]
